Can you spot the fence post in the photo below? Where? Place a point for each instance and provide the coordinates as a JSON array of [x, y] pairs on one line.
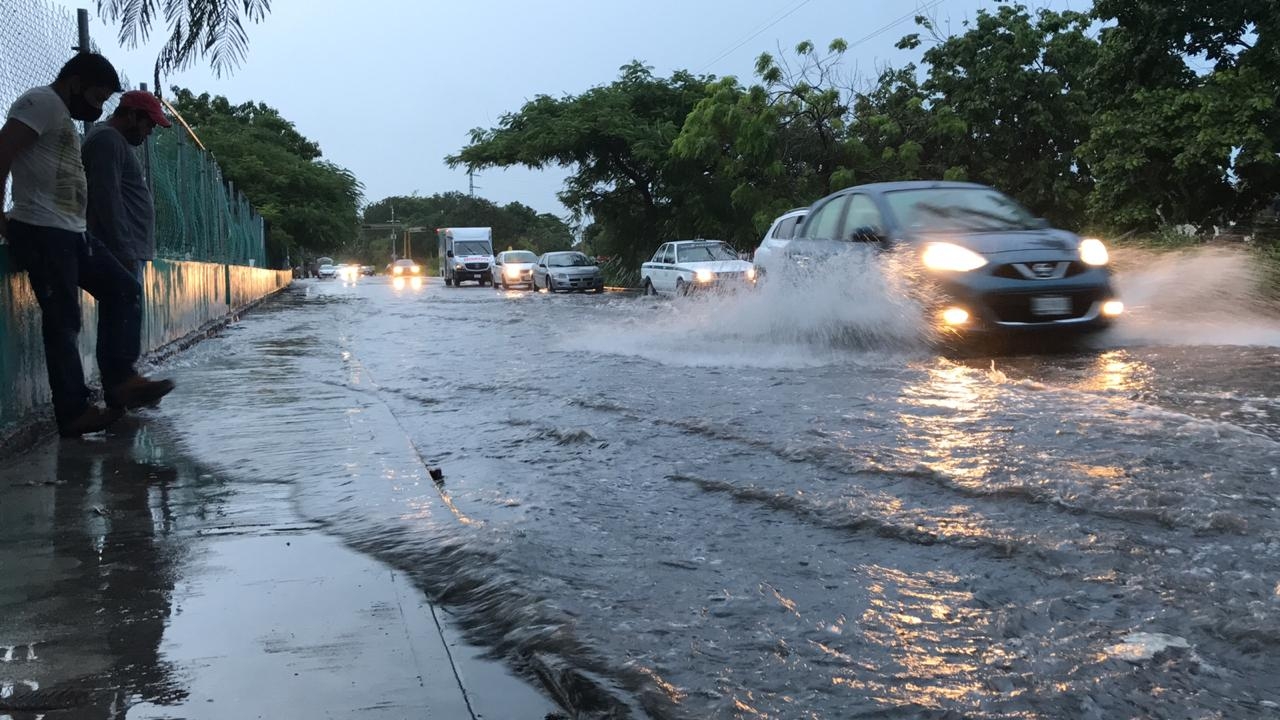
[[82, 24]]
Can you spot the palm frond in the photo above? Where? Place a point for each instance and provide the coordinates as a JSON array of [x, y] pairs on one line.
[[198, 29]]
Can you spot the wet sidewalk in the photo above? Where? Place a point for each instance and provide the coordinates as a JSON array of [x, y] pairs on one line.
[[135, 583]]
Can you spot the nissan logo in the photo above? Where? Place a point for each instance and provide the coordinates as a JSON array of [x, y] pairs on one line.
[[1043, 269]]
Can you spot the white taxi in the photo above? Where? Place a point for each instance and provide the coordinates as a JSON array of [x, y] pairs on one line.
[[684, 266]]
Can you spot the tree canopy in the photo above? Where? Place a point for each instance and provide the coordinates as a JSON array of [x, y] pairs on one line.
[[515, 225], [1136, 114], [309, 203]]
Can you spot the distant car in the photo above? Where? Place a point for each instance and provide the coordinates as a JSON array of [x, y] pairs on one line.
[[683, 266], [773, 246], [514, 267], [347, 273], [985, 262], [405, 267], [567, 271], [327, 272], [367, 270]]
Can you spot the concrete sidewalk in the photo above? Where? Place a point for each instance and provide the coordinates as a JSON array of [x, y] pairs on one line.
[[134, 583]]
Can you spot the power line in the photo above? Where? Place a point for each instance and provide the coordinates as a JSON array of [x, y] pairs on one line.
[[919, 10], [755, 34]]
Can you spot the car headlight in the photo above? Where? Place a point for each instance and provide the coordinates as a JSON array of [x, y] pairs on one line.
[[459, 267], [1093, 252], [415, 269], [704, 276], [562, 276], [751, 273], [511, 272], [951, 257], [397, 270]]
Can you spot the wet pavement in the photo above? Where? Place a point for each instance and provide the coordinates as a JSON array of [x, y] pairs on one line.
[[783, 504], [135, 583]]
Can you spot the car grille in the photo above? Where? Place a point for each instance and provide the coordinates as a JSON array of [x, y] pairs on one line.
[[477, 266], [1017, 307], [731, 276], [1025, 271]]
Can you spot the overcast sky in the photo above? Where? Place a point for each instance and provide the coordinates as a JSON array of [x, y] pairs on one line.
[[389, 87]]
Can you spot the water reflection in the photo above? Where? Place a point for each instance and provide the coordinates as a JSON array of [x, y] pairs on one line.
[[931, 633], [400, 283], [947, 420], [101, 595]]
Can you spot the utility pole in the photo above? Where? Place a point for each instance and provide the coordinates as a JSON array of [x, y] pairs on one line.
[[471, 182]]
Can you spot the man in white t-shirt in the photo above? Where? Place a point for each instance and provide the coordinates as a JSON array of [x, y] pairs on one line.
[[40, 147]]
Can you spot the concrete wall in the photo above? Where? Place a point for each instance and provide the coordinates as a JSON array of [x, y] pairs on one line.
[[183, 300]]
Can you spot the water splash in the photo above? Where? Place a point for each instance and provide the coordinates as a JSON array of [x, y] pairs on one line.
[[801, 317], [1201, 296]]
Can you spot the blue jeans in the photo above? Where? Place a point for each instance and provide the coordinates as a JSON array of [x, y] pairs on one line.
[[59, 263]]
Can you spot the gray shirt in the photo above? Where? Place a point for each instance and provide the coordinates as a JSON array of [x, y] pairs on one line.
[[121, 213]]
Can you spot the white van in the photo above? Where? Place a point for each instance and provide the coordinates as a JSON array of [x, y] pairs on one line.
[[466, 253]]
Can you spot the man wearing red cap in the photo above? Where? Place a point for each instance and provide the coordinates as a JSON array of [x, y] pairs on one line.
[[121, 217]]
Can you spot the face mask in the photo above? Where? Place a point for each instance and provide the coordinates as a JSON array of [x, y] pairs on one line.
[[82, 109]]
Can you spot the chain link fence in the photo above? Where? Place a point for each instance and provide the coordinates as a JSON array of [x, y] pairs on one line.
[[199, 216]]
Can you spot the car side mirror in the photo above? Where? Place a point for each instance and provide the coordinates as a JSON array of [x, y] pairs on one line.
[[1040, 224], [866, 233], [448, 253]]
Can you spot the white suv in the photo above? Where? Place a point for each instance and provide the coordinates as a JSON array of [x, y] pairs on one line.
[[773, 248]]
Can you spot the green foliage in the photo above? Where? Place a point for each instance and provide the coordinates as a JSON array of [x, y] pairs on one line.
[[1138, 115], [515, 226], [616, 139], [1188, 127], [310, 205]]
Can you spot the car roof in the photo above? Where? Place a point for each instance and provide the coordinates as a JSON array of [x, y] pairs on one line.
[[686, 242], [912, 185]]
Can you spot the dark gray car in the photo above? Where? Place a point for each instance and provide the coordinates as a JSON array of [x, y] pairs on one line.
[[993, 266], [567, 271]]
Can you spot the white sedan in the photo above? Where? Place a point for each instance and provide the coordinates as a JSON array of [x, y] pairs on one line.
[[683, 266]]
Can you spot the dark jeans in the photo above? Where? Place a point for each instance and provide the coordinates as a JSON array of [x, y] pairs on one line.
[[59, 263]]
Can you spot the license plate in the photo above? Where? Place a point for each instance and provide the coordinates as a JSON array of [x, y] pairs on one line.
[[1051, 305]]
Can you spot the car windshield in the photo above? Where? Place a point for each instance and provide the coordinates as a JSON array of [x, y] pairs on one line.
[[958, 210], [570, 260], [472, 247], [520, 256], [705, 252]]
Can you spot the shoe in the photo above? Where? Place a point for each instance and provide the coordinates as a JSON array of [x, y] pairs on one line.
[[137, 392], [93, 419]]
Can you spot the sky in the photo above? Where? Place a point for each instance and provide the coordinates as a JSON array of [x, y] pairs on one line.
[[388, 88]]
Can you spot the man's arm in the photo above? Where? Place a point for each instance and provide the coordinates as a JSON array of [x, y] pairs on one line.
[[15, 137], [103, 167]]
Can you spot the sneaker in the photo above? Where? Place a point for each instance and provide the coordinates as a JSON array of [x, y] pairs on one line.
[[93, 419], [137, 392]]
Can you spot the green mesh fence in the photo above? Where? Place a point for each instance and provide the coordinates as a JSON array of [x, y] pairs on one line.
[[199, 216]]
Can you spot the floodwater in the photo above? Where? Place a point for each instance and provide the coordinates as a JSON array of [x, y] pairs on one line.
[[786, 504]]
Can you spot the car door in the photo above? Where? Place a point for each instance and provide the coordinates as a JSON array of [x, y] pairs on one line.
[[652, 269], [540, 272], [667, 269], [498, 278]]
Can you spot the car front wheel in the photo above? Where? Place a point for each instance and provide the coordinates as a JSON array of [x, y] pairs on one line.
[[648, 287], [681, 287]]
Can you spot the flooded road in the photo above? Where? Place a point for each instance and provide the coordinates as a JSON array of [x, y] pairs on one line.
[[782, 506]]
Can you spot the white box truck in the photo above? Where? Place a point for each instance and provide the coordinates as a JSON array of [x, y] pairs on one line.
[[466, 253]]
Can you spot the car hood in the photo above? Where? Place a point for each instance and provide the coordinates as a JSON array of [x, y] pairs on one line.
[[716, 266], [576, 270], [518, 266], [993, 243]]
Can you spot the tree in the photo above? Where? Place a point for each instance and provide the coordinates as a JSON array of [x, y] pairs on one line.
[[1188, 128], [309, 203], [197, 29], [616, 139], [515, 225], [1015, 85]]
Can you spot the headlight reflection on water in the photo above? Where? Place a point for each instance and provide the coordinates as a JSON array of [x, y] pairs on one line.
[[413, 283]]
